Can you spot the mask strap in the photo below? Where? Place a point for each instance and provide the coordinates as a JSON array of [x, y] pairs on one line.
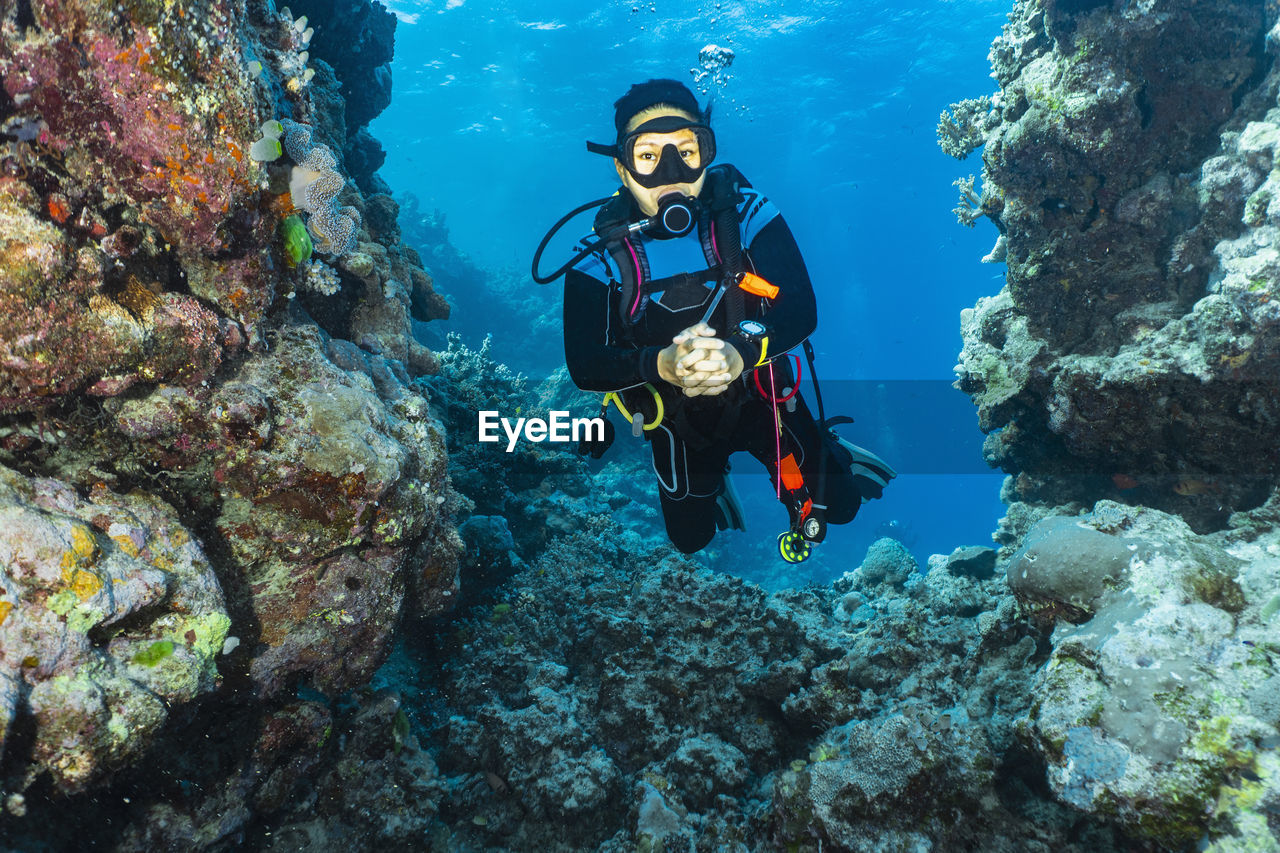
[[606, 150]]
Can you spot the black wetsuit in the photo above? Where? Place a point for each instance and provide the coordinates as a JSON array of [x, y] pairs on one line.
[[611, 347]]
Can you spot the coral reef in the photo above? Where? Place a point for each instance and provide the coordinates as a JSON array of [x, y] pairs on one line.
[[1158, 703], [1126, 376], [109, 615], [221, 485], [230, 477], [485, 299], [1132, 354], [679, 707]]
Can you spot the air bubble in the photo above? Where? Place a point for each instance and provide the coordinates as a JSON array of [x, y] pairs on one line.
[[713, 64]]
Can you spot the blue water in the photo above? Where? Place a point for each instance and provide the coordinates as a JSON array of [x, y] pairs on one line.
[[830, 109]]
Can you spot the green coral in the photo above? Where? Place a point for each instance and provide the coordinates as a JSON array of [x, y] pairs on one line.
[[296, 240], [154, 653]]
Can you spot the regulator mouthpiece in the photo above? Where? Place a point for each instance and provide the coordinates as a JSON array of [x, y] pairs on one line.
[[677, 215]]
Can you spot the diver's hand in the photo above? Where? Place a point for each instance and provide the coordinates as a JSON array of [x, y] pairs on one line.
[[689, 357], [720, 369]]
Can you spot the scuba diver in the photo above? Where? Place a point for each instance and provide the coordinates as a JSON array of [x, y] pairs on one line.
[[683, 308]]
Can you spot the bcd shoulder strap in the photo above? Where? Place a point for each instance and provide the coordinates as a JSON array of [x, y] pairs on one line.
[[725, 197], [611, 224], [611, 221]]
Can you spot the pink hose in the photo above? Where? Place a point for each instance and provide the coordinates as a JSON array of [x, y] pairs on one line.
[[777, 435], [636, 261]]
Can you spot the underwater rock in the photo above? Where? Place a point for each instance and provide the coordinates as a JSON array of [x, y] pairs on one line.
[[1068, 563], [151, 345], [322, 519], [110, 618], [693, 708], [1150, 707], [972, 561], [359, 49], [1133, 353], [674, 688], [299, 775], [63, 334], [323, 473], [364, 156], [865, 772]]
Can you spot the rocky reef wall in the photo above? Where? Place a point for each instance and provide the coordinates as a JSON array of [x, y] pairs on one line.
[[1132, 354], [1126, 376], [220, 480]]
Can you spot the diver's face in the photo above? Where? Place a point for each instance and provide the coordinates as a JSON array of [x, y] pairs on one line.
[[647, 152]]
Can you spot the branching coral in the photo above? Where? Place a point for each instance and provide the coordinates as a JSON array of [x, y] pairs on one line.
[[964, 126], [969, 209]]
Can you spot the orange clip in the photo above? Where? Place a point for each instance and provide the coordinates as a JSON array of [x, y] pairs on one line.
[[752, 283], [792, 479]]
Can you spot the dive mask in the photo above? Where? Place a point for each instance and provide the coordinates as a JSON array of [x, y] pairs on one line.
[[670, 166]]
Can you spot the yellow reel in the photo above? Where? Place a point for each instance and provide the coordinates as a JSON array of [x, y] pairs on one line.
[[793, 547]]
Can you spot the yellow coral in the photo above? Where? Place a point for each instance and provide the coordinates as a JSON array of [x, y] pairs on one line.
[[85, 584], [83, 547], [126, 543]]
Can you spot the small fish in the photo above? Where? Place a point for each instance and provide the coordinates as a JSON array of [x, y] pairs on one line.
[[1189, 487], [1124, 482]]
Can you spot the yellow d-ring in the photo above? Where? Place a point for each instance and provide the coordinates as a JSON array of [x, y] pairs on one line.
[[613, 397]]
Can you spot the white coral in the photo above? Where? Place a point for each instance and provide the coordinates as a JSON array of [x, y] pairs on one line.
[[321, 278]]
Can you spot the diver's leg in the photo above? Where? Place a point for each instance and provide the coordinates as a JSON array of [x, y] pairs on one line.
[[800, 450], [688, 483], [836, 485], [757, 433]]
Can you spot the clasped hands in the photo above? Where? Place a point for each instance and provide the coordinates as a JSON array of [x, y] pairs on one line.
[[699, 362]]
